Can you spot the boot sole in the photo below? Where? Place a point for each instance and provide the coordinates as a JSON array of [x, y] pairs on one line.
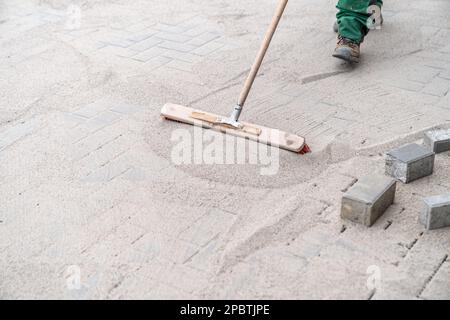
[[346, 58]]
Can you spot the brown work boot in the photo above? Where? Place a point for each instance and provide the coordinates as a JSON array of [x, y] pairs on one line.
[[347, 50]]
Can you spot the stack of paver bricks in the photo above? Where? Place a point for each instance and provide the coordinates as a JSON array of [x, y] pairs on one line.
[[371, 196]]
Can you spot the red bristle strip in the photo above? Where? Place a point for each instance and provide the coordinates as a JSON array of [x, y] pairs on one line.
[[306, 149]]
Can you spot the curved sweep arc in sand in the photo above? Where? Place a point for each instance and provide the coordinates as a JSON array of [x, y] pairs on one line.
[[272, 137]]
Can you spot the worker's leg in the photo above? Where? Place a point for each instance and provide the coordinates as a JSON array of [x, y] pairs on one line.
[[352, 21], [352, 18]]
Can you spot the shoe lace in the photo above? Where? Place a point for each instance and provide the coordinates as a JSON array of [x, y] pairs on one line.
[[347, 42]]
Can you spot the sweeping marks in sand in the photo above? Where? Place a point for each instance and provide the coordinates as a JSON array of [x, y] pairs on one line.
[[206, 147]]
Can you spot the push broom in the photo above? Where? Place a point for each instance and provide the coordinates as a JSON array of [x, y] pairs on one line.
[[232, 125]]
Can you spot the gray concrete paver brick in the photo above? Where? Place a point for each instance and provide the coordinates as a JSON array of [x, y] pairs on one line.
[[436, 212], [437, 87]]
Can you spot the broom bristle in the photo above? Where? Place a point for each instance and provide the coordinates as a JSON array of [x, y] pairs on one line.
[[306, 149]]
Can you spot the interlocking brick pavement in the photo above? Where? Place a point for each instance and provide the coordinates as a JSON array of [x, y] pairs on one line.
[[177, 46], [87, 183]]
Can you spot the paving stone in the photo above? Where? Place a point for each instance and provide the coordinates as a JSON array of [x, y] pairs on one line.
[[204, 39], [76, 134], [126, 108], [428, 31], [92, 125], [437, 87], [407, 85], [71, 120], [183, 47], [195, 31], [180, 65], [17, 132], [422, 74], [409, 163], [142, 35], [436, 213], [106, 153], [149, 54], [123, 43], [208, 48], [146, 44], [188, 279], [88, 143], [445, 74], [172, 37], [438, 289], [442, 36], [101, 120], [202, 231], [368, 199], [107, 117], [438, 140], [155, 63], [108, 172]]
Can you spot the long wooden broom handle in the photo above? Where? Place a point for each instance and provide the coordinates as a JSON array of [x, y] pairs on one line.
[[262, 52]]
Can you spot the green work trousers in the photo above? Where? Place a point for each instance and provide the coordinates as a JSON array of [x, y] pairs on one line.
[[353, 16]]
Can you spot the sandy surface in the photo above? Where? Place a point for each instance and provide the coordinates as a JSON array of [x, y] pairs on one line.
[[93, 204]]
